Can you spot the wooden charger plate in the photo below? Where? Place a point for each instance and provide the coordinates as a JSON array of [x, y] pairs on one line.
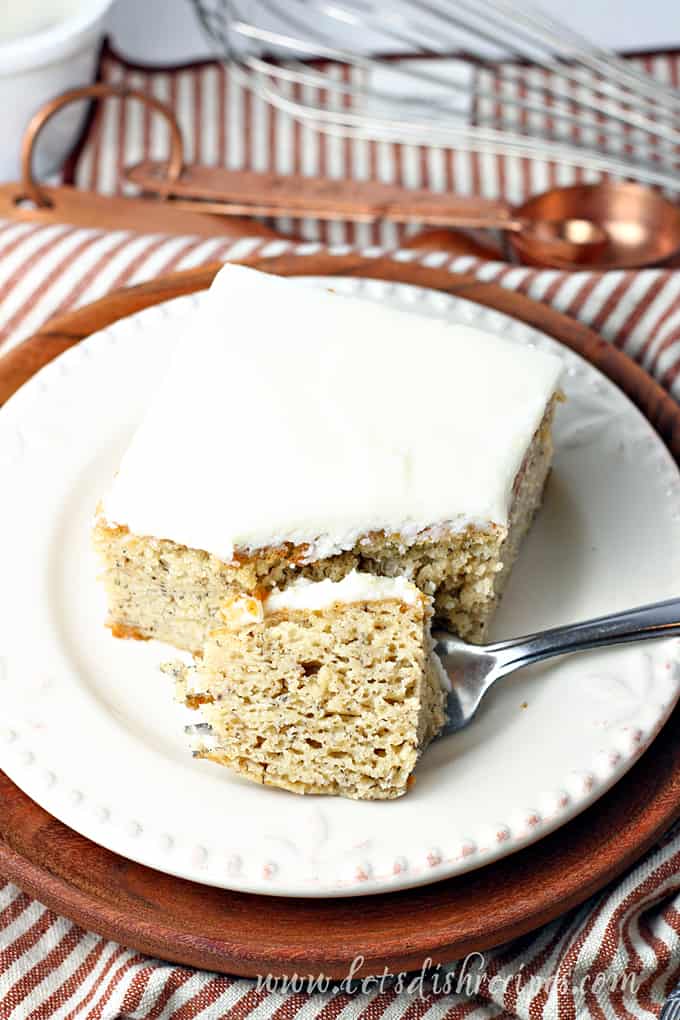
[[249, 935]]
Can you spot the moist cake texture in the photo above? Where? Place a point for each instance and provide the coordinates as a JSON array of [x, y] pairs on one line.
[[302, 434], [326, 688]]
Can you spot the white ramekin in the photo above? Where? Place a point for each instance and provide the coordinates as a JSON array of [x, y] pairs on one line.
[[35, 68]]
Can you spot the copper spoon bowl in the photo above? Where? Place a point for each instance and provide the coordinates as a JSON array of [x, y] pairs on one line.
[[566, 242], [639, 227]]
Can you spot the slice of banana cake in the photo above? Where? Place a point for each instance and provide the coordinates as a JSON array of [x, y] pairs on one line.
[[326, 687], [301, 433]]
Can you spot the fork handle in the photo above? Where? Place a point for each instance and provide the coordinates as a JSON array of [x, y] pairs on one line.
[[660, 619]]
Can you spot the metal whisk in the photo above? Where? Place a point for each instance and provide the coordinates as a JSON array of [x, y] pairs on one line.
[[585, 107]]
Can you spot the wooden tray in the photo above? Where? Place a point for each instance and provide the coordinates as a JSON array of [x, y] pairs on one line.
[[249, 935]]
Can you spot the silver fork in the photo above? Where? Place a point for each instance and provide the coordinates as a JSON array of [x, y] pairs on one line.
[[474, 669]]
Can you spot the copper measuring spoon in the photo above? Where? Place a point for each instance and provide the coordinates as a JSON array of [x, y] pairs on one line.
[[570, 238], [610, 225], [641, 226]]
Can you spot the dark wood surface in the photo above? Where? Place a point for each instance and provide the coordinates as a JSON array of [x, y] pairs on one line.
[[245, 934]]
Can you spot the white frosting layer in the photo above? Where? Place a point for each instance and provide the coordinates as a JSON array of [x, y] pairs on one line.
[[354, 587], [292, 414]]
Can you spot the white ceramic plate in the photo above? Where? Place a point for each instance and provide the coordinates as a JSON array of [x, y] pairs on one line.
[[89, 728]]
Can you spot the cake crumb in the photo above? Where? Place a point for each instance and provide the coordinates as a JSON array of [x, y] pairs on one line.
[[339, 699]]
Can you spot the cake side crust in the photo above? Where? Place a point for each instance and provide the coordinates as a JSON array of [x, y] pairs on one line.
[[159, 589], [164, 591]]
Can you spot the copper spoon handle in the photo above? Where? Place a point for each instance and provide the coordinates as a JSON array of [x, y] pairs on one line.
[[203, 189], [241, 192]]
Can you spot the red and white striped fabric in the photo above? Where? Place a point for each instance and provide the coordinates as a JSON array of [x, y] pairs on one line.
[[45, 270], [223, 124], [514, 178], [618, 955]]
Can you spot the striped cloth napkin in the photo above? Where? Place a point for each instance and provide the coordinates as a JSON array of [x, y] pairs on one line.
[[618, 955], [223, 124]]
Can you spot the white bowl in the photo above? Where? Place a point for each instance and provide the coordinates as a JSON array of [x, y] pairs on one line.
[[37, 66]]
